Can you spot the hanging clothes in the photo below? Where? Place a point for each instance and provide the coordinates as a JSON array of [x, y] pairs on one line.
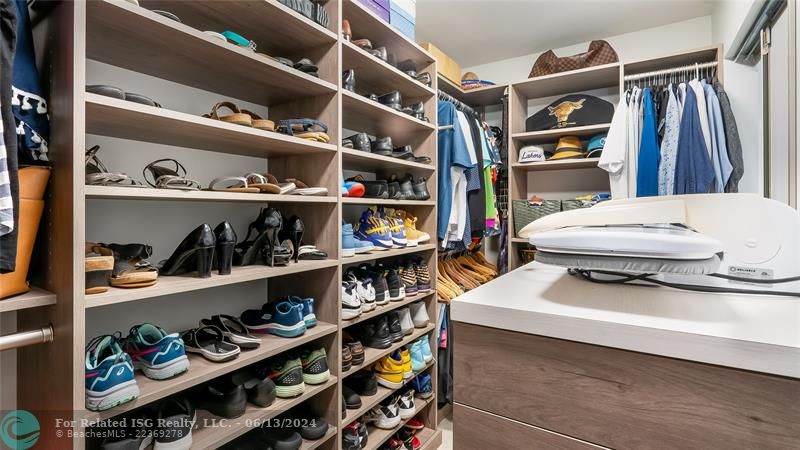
[[694, 173], [9, 180], [615, 153], [634, 127], [702, 112], [669, 145], [476, 197], [719, 147], [649, 153], [732, 140], [452, 152]]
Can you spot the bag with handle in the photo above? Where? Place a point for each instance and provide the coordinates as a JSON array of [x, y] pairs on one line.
[[599, 53]]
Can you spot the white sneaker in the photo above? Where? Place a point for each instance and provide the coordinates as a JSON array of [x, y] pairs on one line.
[[406, 406], [364, 291], [406, 324], [351, 305], [385, 417], [419, 314]]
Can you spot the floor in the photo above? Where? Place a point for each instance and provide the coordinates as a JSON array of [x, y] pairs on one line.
[[447, 433]]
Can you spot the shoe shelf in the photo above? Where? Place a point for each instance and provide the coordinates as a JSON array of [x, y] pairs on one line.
[[132, 37], [177, 284], [383, 309], [373, 400], [380, 76], [564, 164], [373, 354], [382, 254], [363, 114], [377, 436], [551, 136], [518, 240], [429, 439], [311, 445], [482, 96], [117, 118], [202, 370], [216, 436], [365, 161], [125, 193], [32, 299], [386, 201], [596, 77]]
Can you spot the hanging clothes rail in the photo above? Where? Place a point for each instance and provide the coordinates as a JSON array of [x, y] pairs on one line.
[[687, 68], [26, 338], [459, 105]]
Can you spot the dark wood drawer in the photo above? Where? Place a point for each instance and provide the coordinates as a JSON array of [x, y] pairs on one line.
[[622, 399]]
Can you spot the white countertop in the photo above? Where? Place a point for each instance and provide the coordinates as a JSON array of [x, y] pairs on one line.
[[756, 333]]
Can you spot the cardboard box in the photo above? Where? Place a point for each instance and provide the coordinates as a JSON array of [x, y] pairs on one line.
[[444, 64]]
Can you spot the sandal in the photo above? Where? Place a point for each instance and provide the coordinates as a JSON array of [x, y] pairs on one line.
[[304, 189], [115, 92], [259, 122], [268, 183], [236, 116], [311, 252], [209, 341], [305, 129], [166, 178], [131, 268], [98, 175], [240, 185], [363, 43], [234, 330]]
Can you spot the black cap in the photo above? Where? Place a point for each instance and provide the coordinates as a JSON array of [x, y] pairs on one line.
[[574, 110]]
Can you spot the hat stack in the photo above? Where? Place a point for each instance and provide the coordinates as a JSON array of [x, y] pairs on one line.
[[568, 147]]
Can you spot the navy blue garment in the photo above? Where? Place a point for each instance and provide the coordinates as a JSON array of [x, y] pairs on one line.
[[8, 32], [694, 173], [27, 100], [649, 153], [452, 151]]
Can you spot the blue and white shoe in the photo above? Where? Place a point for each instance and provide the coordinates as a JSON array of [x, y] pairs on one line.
[[422, 385], [280, 318], [158, 354], [375, 230], [109, 375], [308, 310], [362, 246], [397, 228]]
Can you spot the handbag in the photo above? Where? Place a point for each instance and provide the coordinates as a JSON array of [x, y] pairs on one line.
[[526, 211], [599, 53]]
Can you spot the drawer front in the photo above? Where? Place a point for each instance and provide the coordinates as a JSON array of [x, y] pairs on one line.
[[478, 430], [379, 7], [621, 399]]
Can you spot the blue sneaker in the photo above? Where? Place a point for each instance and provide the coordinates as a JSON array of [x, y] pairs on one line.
[[423, 386], [426, 348], [375, 230], [348, 243], [417, 356], [362, 246], [397, 227], [308, 309], [280, 318], [158, 354], [109, 374]]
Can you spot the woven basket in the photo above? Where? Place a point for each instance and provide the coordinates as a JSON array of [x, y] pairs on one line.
[[526, 255], [525, 212], [567, 205]]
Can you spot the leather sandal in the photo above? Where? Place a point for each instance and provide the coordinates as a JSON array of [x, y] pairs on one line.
[[98, 175], [304, 189], [238, 117], [166, 178], [363, 43], [131, 268], [259, 122], [222, 184]]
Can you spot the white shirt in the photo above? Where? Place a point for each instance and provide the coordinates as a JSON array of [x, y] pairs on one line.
[[615, 151], [633, 141]]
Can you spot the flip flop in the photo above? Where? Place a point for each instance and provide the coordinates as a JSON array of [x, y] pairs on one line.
[[236, 116], [304, 189], [234, 330], [240, 185], [209, 341]]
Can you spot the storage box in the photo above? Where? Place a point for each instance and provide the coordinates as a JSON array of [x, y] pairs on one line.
[[379, 7], [444, 64], [402, 21], [407, 6]]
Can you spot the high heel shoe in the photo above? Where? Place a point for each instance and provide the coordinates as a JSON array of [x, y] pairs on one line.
[[246, 252], [194, 254], [293, 231], [274, 253], [225, 238]]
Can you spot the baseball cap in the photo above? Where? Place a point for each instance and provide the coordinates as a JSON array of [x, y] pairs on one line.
[[531, 153], [568, 147], [595, 145]]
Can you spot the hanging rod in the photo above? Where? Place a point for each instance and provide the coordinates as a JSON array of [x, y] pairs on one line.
[[26, 338], [461, 106], [686, 68]]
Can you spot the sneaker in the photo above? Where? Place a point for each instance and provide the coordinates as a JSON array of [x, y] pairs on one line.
[[414, 424], [174, 424], [378, 283], [395, 330], [408, 370], [409, 278], [109, 375], [363, 383], [287, 374], [364, 290], [350, 438], [426, 348], [348, 242], [281, 318], [406, 405], [392, 444], [396, 228], [158, 354], [417, 357], [408, 436], [315, 365], [356, 352], [351, 305], [363, 432], [384, 417], [363, 246], [423, 276], [413, 235], [347, 358], [351, 399], [406, 324], [375, 230], [419, 314], [373, 333], [136, 432], [389, 372], [397, 291], [423, 386], [308, 309]]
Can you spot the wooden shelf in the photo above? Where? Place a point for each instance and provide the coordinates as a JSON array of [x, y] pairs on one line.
[[607, 75], [125, 35], [216, 436], [124, 193], [202, 370], [359, 160], [380, 76], [381, 254], [32, 299], [383, 309], [108, 116], [563, 164], [429, 438], [482, 96], [378, 436], [386, 201], [700, 55], [174, 285], [311, 445], [364, 115], [552, 136], [367, 25], [373, 354], [370, 401]]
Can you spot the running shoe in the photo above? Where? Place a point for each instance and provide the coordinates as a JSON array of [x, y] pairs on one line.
[[385, 417], [308, 309], [423, 386], [351, 304], [364, 290], [406, 405], [287, 374], [409, 277], [389, 371], [396, 227], [158, 354], [281, 318], [375, 230], [315, 365], [109, 375]]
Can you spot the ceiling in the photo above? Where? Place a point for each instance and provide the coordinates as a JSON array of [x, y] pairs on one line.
[[476, 32]]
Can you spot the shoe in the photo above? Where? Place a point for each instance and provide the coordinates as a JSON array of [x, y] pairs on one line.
[[293, 230], [358, 141], [281, 318], [389, 372], [405, 152], [363, 432], [384, 417], [408, 67], [351, 304], [209, 342], [423, 387], [417, 357], [424, 78], [282, 438], [287, 374], [362, 246], [406, 405], [194, 254], [419, 314], [396, 228], [225, 238], [413, 236], [265, 244], [373, 229], [109, 376], [350, 438], [379, 53], [373, 333], [347, 31], [349, 80], [393, 100], [307, 305], [364, 290], [409, 278], [99, 266], [382, 146], [365, 44], [420, 188], [408, 371], [315, 365], [173, 425], [233, 330], [394, 190], [397, 291], [416, 110], [364, 383], [356, 352], [372, 189], [423, 276], [310, 426], [426, 349], [351, 398], [259, 388], [348, 244], [406, 189], [131, 269], [379, 283], [136, 433], [414, 424], [352, 189], [347, 358], [408, 437], [158, 354], [223, 398], [395, 330], [406, 323]]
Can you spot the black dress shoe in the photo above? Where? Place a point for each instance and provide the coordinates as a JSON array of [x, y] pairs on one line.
[[359, 141], [379, 53], [222, 398], [194, 254], [405, 152], [420, 189], [417, 110], [424, 78], [382, 146], [226, 241], [374, 333], [349, 80], [408, 67], [395, 329], [393, 100]]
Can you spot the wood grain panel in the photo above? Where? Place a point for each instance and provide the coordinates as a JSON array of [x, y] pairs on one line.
[[474, 429], [621, 399]]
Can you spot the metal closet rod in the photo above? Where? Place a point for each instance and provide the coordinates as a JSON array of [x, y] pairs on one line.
[[686, 68], [26, 338]]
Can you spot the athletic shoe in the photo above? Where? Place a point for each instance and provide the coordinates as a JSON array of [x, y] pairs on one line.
[[364, 291], [409, 278], [363, 383], [423, 386], [406, 324], [419, 314], [174, 424], [395, 330], [414, 424], [351, 398], [413, 235], [348, 243], [347, 358], [315, 365], [281, 318], [396, 226], [356, 352], [109, 376], [363, 433], [423, 275], [308, 309], [362, 246], [409, 438], [351, 305], [406, 405], [135, 433], [397, 291], [350, 438], [287, 374], [385, 417], [408, 371], [392, 444], [375, 230], [389, 371], [417, 357], [373, 333], [158, 354], [378, 283], [426, 349]]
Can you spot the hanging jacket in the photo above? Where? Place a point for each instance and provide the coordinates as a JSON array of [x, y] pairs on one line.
[[694, 173]]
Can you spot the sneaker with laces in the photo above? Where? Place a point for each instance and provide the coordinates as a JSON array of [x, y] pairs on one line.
[[287, 374], [406, 405], [417, 357], [364, 291], [409, 278], [350, 437], [309, 317], [373, 229], [408, 371], [423, 275], [348, 242], [406, 323], [109, 375], [395, 329], [419, 314], [396, 226], [315, 365], [413, 235], [282, 318], [351, 304], [373, 333], [389, 372], [423, 386], [379, 283], [397, 290], [385, 417], [426, 349], [158, 354]]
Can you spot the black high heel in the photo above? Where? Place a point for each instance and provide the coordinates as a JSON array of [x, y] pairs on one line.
[[274, 253], [247, 252], [293, 230], [225, 242], [194, 254]]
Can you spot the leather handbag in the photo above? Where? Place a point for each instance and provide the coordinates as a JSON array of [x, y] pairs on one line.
[[599, 53]]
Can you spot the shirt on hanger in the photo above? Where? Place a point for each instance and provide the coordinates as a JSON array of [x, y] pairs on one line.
[[615, 152], [719, 148], [633, 140], [647, 174], [702, 111], [693, 171], [452, 151], [669, 146], [732, 140]]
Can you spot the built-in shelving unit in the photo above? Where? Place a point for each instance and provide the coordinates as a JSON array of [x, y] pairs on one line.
[[476, 97]]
